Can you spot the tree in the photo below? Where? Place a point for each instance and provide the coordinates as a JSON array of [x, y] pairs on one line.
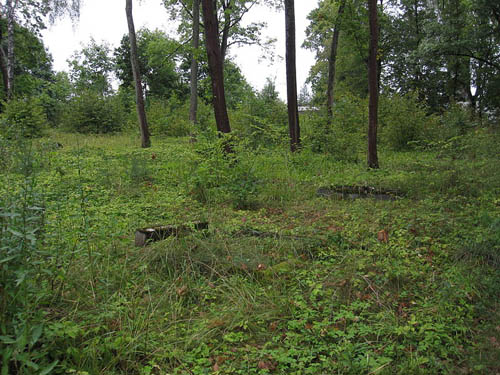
[[340, 59], [332, 62], [291, 76], [91, 68], [157, 56], [33, 12], [228, 19], [141, 112], [229, 29], [33, 64], [10, 5], [373, 86], [215, 63], [193, 107]]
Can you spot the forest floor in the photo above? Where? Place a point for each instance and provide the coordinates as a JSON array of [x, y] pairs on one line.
[[283, 281]]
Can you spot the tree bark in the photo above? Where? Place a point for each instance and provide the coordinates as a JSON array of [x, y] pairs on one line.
[[215, 65], [193, 108], [3, 67], [141, 113], [291, 76], [332, 63], [10, 47], [373, 86], [227, 5]]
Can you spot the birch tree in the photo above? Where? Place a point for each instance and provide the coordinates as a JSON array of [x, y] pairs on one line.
[[31, 14]]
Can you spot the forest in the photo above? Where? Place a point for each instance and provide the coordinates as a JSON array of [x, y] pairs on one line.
[[159, 215]]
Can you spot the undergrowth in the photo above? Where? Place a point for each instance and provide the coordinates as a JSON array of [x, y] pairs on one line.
[[283, 281]]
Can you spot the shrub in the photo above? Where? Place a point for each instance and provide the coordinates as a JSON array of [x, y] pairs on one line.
[[261, 121], [217, 175], [23, 116], [90, 112], [456, 121], [404, 122], [168, 117], [331, 139]]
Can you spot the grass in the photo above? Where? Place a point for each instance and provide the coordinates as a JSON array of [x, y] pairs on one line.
[[293, 284]]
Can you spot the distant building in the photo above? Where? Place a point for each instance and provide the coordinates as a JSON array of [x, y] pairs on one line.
[[307, 108]]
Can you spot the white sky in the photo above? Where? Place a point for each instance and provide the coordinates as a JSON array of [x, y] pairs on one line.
[[105, 20]]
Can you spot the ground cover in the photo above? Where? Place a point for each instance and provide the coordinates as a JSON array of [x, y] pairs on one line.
[[284, 281]]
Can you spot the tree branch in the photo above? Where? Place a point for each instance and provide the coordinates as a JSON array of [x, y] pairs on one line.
[[472, 56]]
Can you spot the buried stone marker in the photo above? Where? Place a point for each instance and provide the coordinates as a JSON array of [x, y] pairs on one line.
[[143, 236]]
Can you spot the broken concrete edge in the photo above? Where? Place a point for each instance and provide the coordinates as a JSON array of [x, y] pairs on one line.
[[143, 236]]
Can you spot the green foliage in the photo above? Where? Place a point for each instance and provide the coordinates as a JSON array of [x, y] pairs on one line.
[[330, 139], [301, 285], [157, 55], [55, 96], [262, 118], [218, 174], [168, 117], [456, 121], [33, 63], [22, 222], [24, 117], [90, 112], [404, 122], [236, 87], [342, 138], [91, 67]]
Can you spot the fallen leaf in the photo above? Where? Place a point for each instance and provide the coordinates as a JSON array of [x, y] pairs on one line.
[[265, 365], [182, 290], [215, 367], [273, 326], [216, 323], [383, 236]]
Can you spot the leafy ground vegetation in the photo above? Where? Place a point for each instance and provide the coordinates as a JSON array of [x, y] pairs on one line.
[[283, 281]]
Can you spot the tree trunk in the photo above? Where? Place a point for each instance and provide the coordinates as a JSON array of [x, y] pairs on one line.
[[226, 28], [3, 67], [373, 86], [291, 76], [193, 108], [10, 47], [215, 64], [332, 63], [141, 113]]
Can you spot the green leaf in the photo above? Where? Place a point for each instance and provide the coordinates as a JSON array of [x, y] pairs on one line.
[[5, 260], [15, 233], [48, 369], [7, 340], [37, 332], [5, 359]]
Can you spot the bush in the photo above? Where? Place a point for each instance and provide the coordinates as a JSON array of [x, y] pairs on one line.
[[170, 117], [218, 176], [456, 121], [261, 121], [25, 117], [404, 122], [331, 139], [90, 112]]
